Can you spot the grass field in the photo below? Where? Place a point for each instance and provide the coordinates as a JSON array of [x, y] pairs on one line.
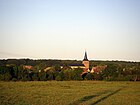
[[70, 93]]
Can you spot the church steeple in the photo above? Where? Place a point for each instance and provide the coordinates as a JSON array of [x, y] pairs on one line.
[[85, 57], [86, 61]]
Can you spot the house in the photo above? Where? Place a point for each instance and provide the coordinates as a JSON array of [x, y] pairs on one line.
[[28, 67], [98, 69]]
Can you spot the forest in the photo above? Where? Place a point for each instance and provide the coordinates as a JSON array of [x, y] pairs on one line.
[[51, 69]]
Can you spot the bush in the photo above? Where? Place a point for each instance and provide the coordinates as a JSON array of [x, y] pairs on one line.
[[89, 76], [51, 76], [58, 78], [42, 76], [35, 77], [7, 76], [24, 79], [68, 74], [14, 79], [1, 77], [97, 76], [126, 78], [111, 79], [77, 74]]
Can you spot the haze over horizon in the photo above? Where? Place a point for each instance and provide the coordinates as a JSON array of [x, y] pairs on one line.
[[63, 29]]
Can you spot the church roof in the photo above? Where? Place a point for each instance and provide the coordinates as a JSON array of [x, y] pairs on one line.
[[76, 64], [79, 64], [85, 57]]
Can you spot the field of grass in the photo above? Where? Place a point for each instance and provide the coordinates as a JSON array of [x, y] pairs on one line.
[[70, 93]]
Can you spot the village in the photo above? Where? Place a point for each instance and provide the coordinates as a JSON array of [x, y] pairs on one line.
[[44, 70]]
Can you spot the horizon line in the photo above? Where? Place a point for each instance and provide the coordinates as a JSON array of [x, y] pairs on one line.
[[121, 60]]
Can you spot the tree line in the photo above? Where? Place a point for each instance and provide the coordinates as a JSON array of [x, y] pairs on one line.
[[13, 70]]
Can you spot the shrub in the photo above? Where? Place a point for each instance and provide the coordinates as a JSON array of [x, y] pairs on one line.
[[1, 77], [14, 79], [89, 76], [35, 77], [7, 76], [58, 78]]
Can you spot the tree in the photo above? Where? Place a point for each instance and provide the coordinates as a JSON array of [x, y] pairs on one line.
[[110, 72], [42, 76], [13, 61], [89, 76], [35, 76], [24, 75], [7, 76], [50, 75], [77, 74], [97, 76], [68, 74], [57, 68]]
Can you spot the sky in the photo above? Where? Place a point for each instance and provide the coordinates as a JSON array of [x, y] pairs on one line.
[[64, 29]]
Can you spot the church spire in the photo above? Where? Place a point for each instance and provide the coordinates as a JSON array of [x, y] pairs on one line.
[[85, 57]]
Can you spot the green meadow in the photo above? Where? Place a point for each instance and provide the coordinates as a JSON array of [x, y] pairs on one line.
[[69, 93]]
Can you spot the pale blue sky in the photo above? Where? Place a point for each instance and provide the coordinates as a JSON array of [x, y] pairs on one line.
[[63, 29]]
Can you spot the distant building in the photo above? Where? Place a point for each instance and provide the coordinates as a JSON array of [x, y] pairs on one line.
[[74, 66], [27, 67], [86, 62], [98, 69], [84, 65]]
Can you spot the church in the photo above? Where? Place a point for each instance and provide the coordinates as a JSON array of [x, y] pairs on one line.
[[84, 65]]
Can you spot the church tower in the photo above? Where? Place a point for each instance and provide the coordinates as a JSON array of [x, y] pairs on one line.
[[86, 61]]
